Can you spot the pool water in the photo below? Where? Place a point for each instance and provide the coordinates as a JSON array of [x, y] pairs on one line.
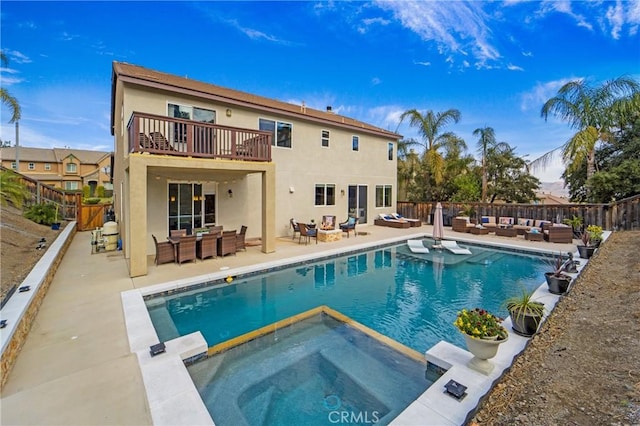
[[316, 371], [410, 298]]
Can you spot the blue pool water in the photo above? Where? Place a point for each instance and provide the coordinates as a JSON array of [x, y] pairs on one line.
[[410, 298], [318, 371]]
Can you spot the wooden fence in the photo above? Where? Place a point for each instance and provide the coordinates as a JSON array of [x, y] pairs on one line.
[[618, 215]]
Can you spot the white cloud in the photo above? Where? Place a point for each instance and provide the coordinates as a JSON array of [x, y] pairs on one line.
[[615, 17], [455, 27], [512, 67], [426, 64], [16, 57], [542, 92]]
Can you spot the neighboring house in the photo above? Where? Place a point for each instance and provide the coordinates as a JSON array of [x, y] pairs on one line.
[[548, 198], [64, 168], [191, 154]]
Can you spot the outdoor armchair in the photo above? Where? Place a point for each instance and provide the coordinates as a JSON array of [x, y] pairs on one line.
[[307, 233], [207, 246], [228, 243], [164, 251], [295, 227], [187, 249], [349, 225], [240, 244]]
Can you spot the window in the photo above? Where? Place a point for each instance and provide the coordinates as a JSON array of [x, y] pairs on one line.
[[14, 165], [188, 113], [72, 168], [280, 132], [390, 151], [192, 113], [325, 194], [32, 166], [354, 143], [325, 138], [47, 166], [71, 185], [383, 195], [185, 206]]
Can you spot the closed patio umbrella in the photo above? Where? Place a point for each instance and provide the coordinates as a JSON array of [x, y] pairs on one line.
[[438, 225]]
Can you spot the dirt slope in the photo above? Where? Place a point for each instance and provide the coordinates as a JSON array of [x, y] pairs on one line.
[[583, 367], [19, 238]]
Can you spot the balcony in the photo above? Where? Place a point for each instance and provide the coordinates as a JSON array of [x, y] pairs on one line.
[[155, 134]]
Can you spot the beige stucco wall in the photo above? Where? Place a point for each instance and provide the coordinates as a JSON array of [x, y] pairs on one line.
[[297, 169]]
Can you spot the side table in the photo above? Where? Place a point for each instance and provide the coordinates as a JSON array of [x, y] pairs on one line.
[[506, 232], [534, 236]]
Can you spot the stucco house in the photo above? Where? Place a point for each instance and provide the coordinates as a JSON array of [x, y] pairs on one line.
[[190, 154], [65, 168]]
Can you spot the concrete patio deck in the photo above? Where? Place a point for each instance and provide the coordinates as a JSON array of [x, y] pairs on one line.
[[76, 367]]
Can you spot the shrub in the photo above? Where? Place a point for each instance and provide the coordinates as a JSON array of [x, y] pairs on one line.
[[92, 200], [86, 191], [100, 192], [44, 214]]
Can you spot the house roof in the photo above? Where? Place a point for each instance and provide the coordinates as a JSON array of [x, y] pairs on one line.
[[142, 76], [53, 155]]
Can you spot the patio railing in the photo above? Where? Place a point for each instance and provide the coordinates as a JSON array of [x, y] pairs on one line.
[[157, 134]]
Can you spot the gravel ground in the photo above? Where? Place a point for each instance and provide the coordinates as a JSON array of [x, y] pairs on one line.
[[583, 367]]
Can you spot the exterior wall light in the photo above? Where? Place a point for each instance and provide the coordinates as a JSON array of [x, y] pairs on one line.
[[229, 112], [230, 193]]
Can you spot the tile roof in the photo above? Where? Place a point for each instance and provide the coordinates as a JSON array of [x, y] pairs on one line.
[[146, 77], [53, 155]]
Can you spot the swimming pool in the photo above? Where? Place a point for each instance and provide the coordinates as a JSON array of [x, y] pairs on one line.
[[410, 298]]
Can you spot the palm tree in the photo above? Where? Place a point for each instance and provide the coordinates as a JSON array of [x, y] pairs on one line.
[[487, 141], [593, 112], [7, 99], [430, 126]]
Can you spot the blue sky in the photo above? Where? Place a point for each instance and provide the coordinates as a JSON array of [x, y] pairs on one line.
[[496, 62]]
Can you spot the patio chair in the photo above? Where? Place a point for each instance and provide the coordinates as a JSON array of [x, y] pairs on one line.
[[160, 142], [164, 251], [295, 227], [207, 246], [187, 249], [307, 233], [349, 225], [240, 245], [146, 142], [228, 243], [178, 233]]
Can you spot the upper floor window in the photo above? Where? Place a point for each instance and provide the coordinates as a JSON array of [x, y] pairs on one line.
[[47, 166], [71, 185], [325, 138], [390, 149], [280, 132], [383, 195], [14, 165], [32, 166], [72, 168], [325, 194], [192, 113], [355, 141]]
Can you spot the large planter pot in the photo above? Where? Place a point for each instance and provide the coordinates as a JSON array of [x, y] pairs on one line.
[[557, 285], [525, 325], [586, 251], [482, 351]]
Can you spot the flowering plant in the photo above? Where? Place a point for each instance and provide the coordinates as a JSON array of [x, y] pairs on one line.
[[479, 324]]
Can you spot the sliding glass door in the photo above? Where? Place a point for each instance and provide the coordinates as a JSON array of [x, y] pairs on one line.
[[185, 206], [358, 202]]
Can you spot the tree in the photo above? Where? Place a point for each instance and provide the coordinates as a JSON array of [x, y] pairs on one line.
[[508, 176], [430, 126], [593, 112], [7, 99], [408, 169], [486, 141]]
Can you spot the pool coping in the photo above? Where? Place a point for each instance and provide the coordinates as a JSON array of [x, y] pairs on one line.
[[174, 400]]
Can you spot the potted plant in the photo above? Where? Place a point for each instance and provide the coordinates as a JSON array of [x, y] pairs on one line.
[[526, 313], [586, 249], [576, 225], [557, 280], [55, 225], [483, 333], [595, 234]]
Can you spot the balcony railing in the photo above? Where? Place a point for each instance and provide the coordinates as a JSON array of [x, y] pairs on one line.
[[157, 134]]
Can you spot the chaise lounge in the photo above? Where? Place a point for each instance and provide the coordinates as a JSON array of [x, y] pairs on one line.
[[386, 220], [414, 223]]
